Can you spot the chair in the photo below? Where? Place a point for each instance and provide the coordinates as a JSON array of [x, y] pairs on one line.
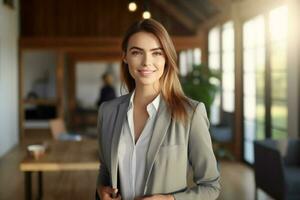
[[59, 131], [222, 135], [277, 168]]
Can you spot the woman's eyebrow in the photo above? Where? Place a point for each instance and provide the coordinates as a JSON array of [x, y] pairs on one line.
[[154, 49], [141, 49], [135, 48]]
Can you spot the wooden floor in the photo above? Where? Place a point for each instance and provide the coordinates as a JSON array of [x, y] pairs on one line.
[[237, 181]]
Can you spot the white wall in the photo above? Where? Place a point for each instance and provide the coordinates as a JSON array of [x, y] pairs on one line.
[[88, 81], [9, 132]]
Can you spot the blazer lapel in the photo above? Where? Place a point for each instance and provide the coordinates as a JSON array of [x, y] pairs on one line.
[[121, 114], [163, 120]]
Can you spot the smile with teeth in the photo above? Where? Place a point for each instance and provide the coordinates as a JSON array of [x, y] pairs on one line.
[[145, 71]]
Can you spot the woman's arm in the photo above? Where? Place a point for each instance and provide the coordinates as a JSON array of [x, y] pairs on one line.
[[103, 175], [202, 160]]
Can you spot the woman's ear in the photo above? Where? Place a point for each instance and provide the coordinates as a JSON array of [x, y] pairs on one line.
[[124, 57]]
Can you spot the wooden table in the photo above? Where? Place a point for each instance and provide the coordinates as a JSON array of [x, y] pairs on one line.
[[60, 156]]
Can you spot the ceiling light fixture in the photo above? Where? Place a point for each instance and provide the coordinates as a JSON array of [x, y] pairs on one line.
[[146, 14], [132, 6]]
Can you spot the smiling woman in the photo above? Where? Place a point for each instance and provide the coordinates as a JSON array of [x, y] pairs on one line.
[[145, 59], [149, 138]]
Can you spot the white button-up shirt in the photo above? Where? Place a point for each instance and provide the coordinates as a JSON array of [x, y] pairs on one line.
[[131, 156]]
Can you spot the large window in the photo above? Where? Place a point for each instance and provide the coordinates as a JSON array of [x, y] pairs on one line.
[[265, 78], [253, 73], [214, 63], [221, 58], [187, 59], [228, 67], [214, 50], [278, 20]]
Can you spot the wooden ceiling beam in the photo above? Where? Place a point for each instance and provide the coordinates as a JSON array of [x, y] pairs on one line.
[[224, 7], [245, 9], [199, 15], [176, 14], [220, 4], [110, 45], [220, 17]]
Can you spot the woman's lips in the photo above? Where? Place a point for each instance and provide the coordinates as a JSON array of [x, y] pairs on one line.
[[145, 71]]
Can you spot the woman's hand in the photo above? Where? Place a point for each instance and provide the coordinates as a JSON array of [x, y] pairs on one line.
[[156, 197], [108, 193]]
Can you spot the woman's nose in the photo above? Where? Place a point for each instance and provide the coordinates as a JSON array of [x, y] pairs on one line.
[[147, 59]]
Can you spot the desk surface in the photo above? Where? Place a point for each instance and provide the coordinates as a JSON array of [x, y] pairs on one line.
[[64, 156]]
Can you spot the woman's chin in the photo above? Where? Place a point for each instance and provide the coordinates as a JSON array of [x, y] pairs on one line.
[[146, 82]]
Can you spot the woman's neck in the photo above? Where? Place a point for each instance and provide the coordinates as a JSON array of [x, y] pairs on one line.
[[144, 95]]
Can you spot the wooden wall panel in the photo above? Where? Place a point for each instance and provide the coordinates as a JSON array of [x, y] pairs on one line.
[[104, 44], [87, 18]]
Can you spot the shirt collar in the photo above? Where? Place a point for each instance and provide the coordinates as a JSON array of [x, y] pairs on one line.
[[153, 104]]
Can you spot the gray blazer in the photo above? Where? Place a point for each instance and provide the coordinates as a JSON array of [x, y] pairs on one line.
[[173, 150]]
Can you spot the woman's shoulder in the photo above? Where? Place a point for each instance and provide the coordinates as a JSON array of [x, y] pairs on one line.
[[115, 102], [194, 105]]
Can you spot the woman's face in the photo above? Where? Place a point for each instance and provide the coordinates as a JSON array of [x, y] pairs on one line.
[[145, 58]]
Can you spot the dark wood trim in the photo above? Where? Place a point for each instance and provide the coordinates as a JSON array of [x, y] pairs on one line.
[[298, 126], [60, 84], [71, 90], [91, 44], [268, 83], [204, 47], [40, 101], [239, 109], [63, 42], [21, 105], [298, 67]]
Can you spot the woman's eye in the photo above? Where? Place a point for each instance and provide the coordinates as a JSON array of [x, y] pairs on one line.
[[157, 53], [136, 53]]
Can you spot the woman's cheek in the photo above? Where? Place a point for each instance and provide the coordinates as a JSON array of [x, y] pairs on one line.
[[131, 71], [162, 66]]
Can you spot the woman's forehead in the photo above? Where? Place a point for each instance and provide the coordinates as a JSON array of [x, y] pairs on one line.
[[143, 40]]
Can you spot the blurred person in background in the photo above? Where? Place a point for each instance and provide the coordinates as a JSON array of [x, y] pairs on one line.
[[107, 92]]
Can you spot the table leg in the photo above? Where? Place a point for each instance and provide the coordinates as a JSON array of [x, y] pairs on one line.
[[40, 185], [28, 189]]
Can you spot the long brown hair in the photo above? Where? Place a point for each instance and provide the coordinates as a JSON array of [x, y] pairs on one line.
[[171, 89]]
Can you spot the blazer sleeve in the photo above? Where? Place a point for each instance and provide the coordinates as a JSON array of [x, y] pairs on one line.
[[202, 160], [103, 178]]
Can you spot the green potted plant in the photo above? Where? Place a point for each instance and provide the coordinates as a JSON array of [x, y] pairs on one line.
[[198, 84]]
